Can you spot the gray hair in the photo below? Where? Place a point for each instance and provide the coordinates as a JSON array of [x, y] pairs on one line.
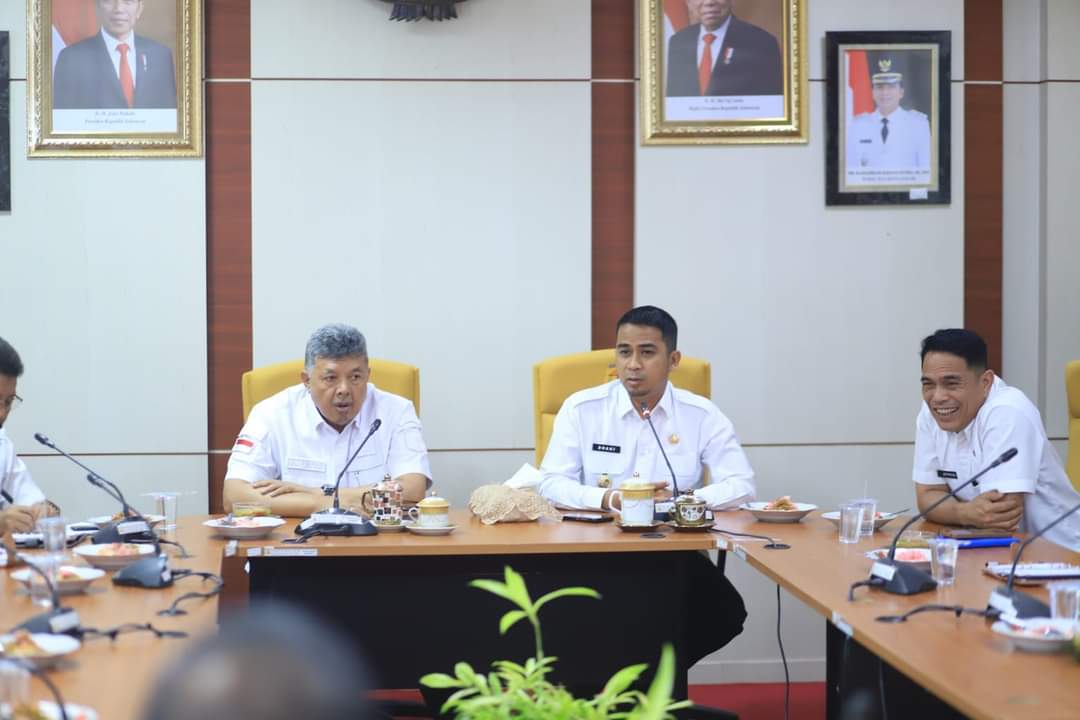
[[333, 341]]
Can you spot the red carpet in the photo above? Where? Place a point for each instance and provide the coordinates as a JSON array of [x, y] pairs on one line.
[[757, 701]]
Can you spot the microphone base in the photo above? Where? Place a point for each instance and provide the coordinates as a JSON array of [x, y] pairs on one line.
[[901, 578], [336, 522], [343, 530], [60, 620], [151, 573], [111, 534], [1004, 601]]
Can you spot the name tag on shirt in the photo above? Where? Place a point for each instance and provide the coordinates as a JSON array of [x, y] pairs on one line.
[[866, 141], [947, 474], [601, 447], [305, 464]]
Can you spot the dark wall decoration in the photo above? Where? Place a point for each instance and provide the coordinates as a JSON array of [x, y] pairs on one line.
[[5, 127]]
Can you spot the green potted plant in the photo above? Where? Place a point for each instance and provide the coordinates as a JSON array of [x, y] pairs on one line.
[[513, 690]]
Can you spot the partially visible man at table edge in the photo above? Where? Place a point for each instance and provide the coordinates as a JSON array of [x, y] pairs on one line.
[[21, 501], [601, 438], [295, 443], [970, 417]]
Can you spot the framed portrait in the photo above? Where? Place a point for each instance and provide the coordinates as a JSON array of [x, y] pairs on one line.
[[5, 125], [114, 78], [888, 117], [723, 71]]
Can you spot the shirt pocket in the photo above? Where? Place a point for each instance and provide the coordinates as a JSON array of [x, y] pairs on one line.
[[304, 471], [603, 463], [687, 470], [367, 469]]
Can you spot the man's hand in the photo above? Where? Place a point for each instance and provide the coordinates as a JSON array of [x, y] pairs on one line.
[[19, 518], [277, 488], [993, 510], [661, 491]]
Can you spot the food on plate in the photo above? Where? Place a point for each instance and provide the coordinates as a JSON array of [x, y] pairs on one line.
[[1049, 632], [241, 522], [68, 573], [117, 517], [118, 549], [22, 645], [783, 504]]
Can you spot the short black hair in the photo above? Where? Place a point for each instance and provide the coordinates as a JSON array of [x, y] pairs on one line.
[[960, 342], [10, 363], [651, 316]]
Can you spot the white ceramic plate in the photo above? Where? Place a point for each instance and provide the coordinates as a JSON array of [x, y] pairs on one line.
[[779, 516], [93, 554], [246, 528], [414, 528], [1027, 637], [879, 522], [53, 648], [64, 585], [103, 520], [397, 527]]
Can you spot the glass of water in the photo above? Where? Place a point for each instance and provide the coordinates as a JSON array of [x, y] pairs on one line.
[[850, 522], [869, 506], [943, 554]]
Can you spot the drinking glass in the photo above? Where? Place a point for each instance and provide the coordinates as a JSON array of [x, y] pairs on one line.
[[1065, 600], [943, 554], [869, 505], [850, 522]]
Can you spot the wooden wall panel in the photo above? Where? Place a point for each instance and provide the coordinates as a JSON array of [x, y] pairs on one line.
[[613, 39], [983, 40], [228, 38]]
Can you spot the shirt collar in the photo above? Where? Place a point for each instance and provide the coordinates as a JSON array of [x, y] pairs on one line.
[[623, 407], [111, 43], [719, 32], [314, 418]]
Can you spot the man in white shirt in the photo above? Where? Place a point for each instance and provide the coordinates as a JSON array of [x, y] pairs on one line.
[[891, 137], [970, 417], [602, 439], [21, 500], [296, 443]]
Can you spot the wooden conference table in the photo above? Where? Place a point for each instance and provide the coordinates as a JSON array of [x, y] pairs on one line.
[[959, 660]]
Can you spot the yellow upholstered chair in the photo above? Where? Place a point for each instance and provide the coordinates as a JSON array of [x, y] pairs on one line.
[[260, 383], [555, 379], [1072, 390]]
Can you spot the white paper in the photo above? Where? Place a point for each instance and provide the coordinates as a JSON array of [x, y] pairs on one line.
[[526, 477]]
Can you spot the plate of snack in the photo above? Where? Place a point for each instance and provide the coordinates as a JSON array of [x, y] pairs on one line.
[[904, 555], [1041, 635], [102, 520], [880, 519], [113, 556], [69, 578], [244, 528], [41, 650], [781, 510]]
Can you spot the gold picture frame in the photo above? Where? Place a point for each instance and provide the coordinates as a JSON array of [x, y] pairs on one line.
[[80, 107], [738, 103]]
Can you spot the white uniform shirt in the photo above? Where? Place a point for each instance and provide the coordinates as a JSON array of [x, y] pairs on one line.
[[598, 432], [907, 146], [1006, 419], [15, 478], [285, 438]]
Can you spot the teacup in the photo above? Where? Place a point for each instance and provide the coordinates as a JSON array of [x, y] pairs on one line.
[[432, 512], [638, 505], [689, 511], [386, 503]]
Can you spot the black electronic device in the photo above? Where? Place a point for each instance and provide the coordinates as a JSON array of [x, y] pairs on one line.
[[589, 517], [334, 520], [59, 620]]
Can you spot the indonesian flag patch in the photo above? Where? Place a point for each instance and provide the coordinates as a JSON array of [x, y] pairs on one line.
[[244, 444]]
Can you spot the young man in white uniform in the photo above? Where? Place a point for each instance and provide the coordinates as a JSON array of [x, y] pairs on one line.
[[21, 500], [295, 444], [969, 418]]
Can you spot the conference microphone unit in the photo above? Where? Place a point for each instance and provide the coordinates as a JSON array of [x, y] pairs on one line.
[[58, 621], [135, 529], [1007, 601], [150, 572], [906, 579], [334, 520]]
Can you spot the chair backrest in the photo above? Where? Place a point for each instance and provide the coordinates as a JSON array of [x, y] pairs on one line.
[[1072, 390], [555, 379], [260, 383]]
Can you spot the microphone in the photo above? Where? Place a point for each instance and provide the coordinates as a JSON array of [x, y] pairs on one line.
[[647, 414], [1007, 601], [150, 572], [59, 620], [903, 578], [335, 521]]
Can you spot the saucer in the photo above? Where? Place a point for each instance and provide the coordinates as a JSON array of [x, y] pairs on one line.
[[692, 528], [414, 528], [637, 528], [396, 527]]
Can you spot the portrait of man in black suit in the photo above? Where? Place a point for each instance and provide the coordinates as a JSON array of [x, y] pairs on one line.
[[115, 67], [721, 55]]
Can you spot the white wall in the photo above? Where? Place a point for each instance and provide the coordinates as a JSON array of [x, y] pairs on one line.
[[811, 316], [104, 297]]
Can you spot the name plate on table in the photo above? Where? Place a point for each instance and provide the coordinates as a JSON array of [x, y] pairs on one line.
[[883, 571], [63, 622], [132, 527], [332, 519]]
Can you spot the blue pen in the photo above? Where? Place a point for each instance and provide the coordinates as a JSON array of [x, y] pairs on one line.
[[988, 542]]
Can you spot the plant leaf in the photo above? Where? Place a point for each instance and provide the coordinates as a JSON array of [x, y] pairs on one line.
[[622, 680], [510, 619], [516, 585], [495, 588], [659, 693], [440, 681], [566, 592]]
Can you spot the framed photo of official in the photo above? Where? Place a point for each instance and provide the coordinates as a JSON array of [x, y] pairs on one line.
[[114, 78], [887, 113], [723, 71]]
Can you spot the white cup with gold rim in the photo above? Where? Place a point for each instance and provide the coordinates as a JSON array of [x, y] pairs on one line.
[[431, 512], [637, 503]]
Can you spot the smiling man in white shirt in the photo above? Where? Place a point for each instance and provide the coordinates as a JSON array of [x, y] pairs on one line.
[[295, 444], [970, 417]]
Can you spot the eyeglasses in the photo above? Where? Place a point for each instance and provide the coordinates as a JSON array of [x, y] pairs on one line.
[[11, 403]]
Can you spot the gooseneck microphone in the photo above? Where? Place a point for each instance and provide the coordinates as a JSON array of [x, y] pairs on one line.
[[59, 620], [334, 520], [150, 572], [904, 578], [375, 425], [1007, 601], [647, 414]]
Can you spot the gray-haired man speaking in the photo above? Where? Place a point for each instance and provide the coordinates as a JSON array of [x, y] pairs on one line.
[[295, 444]]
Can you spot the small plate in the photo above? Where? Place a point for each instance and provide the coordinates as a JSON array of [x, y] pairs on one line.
[[102, 520], [1025, 635], [693, 528], [915, 556], [51, 711], [96, 555], [394, 528], [636, 528], [881, 521], [53, 647], [83, 576], [779, 516], [414, 528], [245, 528]]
